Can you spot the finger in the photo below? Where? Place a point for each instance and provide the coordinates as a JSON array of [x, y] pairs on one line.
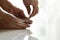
[[35, 11], [28, 9], [27, 5], [35, 8], [23, 24], [22, 13], [16, 26], [28, 21]]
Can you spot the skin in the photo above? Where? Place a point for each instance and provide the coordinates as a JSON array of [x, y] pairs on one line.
[[34, 3], [7, 6], [14, 24], [18, 12], [9, 22]]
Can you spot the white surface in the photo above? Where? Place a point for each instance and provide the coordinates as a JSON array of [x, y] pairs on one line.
[[16, 35]]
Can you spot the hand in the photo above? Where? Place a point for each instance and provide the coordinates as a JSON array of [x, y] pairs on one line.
[[20, 14], [17, 12], [7, 6], [34, 3], [9, 22]]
